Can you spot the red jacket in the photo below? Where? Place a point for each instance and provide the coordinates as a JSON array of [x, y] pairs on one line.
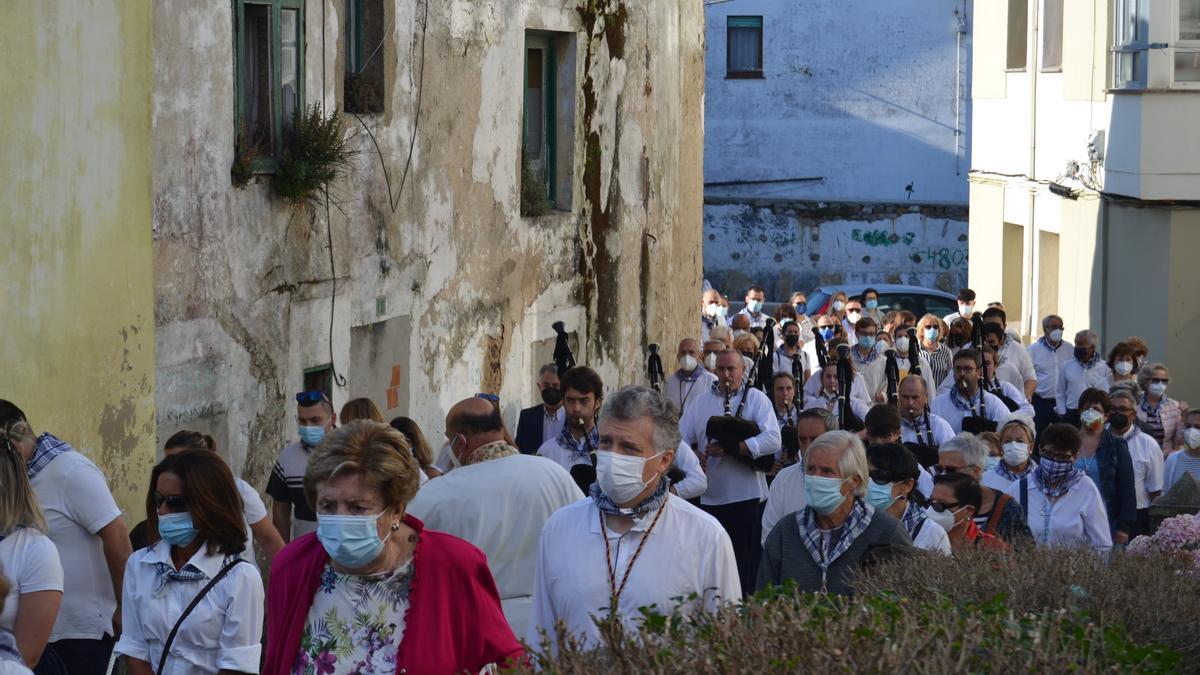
[[454, 621]]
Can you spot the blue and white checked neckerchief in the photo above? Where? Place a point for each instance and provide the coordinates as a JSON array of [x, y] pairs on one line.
[[969, 404], [585, 446], [8, 648], [608, 507], [1152, 410], [1003, 471], [855, 525], [1091, 362], [874, 354], [913, 517], [48, 447], [168, 573], [1047, 345]]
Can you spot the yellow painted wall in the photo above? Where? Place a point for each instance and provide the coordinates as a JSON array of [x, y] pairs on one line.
[[985, 273], [1086, 31], [989, 39], [1183, 307], [76, 270]]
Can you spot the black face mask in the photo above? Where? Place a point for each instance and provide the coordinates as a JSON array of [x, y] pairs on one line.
[[1118, 421], [791, 340], [551, 396]]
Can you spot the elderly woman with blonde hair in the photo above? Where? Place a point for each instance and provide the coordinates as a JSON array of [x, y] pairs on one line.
[[372, 590], [821, 546]]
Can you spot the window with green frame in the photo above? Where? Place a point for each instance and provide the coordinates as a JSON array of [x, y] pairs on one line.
[[269, 75], [539, 125], [363, 37]]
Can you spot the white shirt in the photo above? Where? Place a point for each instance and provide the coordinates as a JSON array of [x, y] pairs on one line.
[[858, 389], [1014, 353], [77, 504], [756, 321], [783, 362], [500, 505], [729, 479], [932, 537], [1073, 378], [564, 457], [224, 631], [253, 511], [1147, 464], [829, 402], [786, 496], [1077, 519], [871, 373], [1005, 373], [681, 390], [1176, 465], [940, 428], [687, 554], [14, 668], [694, 481], [552, 425], [30, 562], [1046, 362], [1024, 407], [993, 479], [926, 370], [945, 407]]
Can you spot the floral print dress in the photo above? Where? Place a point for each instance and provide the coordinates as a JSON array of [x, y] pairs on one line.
[[355, 623]]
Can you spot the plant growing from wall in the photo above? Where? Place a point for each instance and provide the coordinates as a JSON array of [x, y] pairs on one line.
[[535, 198], [242, 171], [364, 94], [315, 154]]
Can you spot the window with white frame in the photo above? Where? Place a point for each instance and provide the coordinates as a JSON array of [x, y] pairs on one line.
[[1129, 44], [1186, 52]]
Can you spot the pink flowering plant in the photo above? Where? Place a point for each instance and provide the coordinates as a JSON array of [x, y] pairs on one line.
[[1178, 536]]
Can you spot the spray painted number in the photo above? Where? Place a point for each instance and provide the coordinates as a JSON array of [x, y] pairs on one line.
[[946, 258], [882, 237]]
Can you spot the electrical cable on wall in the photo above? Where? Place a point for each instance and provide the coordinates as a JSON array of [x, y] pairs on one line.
[[338, 378]]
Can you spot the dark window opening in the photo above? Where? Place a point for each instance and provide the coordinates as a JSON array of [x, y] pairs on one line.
[[548, 123], [1018, 33], [269, 74], [319, 379], [744, 47], [364, 39]]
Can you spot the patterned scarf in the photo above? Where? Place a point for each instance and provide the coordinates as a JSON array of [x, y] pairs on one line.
[[8, 648], [864, 359], [651, 503], [1040, 476], [1047, 345], [913, 517], [855, 525], [168, 573], [584, 447], [968, 404], [1091, 362], [1152, 410], [48, 447], [494, 450], [1003, 471]]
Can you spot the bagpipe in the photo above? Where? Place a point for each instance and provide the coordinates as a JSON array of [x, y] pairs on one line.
[[654, 368], [564, 359], [978, 423], [847, 420], [730, 429]]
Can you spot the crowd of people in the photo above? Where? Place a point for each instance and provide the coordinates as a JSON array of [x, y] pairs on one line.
[[795, 447]]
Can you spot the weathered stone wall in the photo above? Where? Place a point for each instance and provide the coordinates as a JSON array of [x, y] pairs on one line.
[[245, 288], [797, 246]]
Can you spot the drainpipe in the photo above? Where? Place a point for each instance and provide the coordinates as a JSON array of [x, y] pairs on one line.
[[1031, 237]]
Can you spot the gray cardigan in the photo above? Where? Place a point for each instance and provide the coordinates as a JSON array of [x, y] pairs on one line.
[[785, 557]]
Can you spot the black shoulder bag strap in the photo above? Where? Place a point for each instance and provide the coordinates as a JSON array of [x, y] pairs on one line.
[[195, 601], [1025, 495]]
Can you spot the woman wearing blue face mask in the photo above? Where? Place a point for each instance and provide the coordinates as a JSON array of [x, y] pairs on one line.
[[893, 489], [821, 546], [194, 511], [371, 590]]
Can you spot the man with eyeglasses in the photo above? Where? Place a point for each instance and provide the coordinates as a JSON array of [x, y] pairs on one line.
[[290, 512], [967, 407]]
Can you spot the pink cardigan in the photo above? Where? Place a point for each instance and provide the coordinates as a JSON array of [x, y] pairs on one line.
[[454, 621]]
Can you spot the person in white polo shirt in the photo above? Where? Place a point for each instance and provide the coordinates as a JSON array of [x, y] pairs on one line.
[[1086, 371], [690, 377], [1048, 353], [967, 407], [735, 487], [92, 540], [632, 544]]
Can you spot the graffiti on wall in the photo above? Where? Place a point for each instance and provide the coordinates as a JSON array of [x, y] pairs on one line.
[[941, 258]]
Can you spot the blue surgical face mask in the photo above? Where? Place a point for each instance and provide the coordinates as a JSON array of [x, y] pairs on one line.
[[867, 341], [872, 304], [990, 463], [800, 307], [823, 494], [351, 541], [176, 529], [931, 334], [312, 436], [826, 332], [880, 495], [755, 306]]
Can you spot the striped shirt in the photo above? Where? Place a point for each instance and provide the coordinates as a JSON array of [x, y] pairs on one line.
[[1178, 464], [939, 362]]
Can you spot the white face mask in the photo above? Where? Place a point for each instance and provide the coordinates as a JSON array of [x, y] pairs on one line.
[[1015, 453], [620, 476], [902, 346], [944, 520], [838, 305], [965, 310], [1056, 335], [853, 317], [710, 310], [1123, 367], [1157, 388], [688, 363], [710, 362], [1191, 437], [722, 311]]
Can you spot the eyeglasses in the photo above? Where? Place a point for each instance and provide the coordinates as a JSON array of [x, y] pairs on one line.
[[942, 506], [307, 398], [882, 477], [1159, 380], [175, 503], [488, 397], [939, 469]]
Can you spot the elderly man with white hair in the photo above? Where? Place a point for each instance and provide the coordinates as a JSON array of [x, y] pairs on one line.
[[998, 514], [1087, 370], [631, 544], [821, 546]]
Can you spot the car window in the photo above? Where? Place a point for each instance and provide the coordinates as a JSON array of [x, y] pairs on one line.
[[918, 304]]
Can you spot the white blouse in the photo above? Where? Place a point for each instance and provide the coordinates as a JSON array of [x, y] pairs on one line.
[[1076, 520], [224, 631]]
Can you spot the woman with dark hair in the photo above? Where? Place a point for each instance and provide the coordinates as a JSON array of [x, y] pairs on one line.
[[420, 447], [1122, 361], [194, 514], [893, 489], [1104, 457], [259, 527], [959, 335]]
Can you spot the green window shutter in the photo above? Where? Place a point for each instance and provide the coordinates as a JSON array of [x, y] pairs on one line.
[[745, 21]]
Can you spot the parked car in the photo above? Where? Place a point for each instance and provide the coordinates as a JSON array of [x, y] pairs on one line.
[[892, 298]]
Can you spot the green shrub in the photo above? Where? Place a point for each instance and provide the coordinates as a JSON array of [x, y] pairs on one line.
[[315, 154]]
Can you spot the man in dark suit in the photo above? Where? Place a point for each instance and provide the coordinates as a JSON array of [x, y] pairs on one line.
[[544, 421]]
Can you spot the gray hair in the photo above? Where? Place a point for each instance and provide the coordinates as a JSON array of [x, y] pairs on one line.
[[548, 368], [1046, 322], [827, 418], [974, 450], [636, 402], [1122, 390], [1147, 372], [1091, 336], [852, 456]]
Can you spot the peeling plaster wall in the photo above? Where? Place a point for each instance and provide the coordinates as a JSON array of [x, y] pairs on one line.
[[77, 347], [244, 284], [790, 246]]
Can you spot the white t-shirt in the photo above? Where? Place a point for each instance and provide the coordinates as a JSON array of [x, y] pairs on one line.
[[75, 498], [931, 537], [729, 479], [29, 561], [1147, 465], [253, 510]]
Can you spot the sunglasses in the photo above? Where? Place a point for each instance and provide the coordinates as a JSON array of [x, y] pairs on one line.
[[307, 398], [175, 503], [1159, 380], [939, 469], [942, 506]]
